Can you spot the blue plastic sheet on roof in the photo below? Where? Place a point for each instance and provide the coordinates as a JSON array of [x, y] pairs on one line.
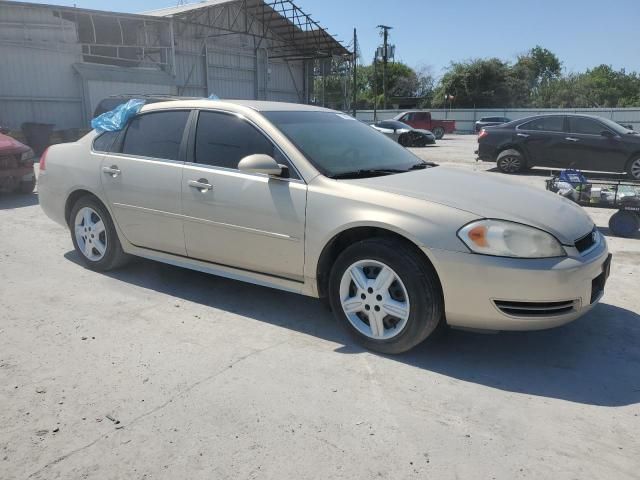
[[213, 96], [116, 119]]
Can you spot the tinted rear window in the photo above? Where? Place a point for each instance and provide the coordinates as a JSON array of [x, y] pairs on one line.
[[545, 124], [156, 135]]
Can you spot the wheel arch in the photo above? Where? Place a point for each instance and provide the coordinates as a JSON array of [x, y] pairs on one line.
[[343, 239], [76, 195], [512, 146]]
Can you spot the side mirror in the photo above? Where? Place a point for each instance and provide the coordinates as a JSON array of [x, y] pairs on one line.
[[607, 133], [260, 163]]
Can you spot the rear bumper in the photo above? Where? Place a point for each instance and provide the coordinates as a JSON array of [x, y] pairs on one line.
[[486, 153], [483, 292]]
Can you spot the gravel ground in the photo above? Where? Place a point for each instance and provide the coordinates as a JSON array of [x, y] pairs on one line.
[[154, 372]]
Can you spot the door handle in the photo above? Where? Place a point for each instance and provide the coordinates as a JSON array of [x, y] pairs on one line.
[[523, 135], [572, 139], [202, 184], [113, 170]]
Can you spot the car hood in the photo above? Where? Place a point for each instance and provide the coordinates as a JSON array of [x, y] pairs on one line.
[[10, 145], [489, 196]]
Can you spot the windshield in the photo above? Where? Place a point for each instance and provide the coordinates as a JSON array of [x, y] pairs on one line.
[[336, 144]]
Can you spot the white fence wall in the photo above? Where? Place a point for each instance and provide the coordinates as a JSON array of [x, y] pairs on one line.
[[466, 118]]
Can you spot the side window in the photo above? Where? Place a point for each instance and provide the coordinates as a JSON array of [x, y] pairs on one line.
[[421, 116], [585, 126], [156, 135], [545, 124], [222, 140], [407, 117], [104, 141]]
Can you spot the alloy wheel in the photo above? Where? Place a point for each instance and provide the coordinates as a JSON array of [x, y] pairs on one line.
[[510, 163], [635, 169], [374, 299], [91, 234]]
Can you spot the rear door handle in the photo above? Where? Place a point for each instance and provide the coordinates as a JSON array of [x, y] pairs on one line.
[[113, 170], [572, 139], [202, 184], [523, 135]]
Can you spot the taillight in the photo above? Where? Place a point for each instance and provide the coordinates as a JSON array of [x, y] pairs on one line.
[[43, 160], [483, 133]]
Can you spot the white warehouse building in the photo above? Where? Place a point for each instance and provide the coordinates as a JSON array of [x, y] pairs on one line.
[[59, 62]]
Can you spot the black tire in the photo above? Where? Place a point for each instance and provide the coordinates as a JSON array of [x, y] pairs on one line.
[[27, 187], [114, 256], [438, 132], [404, 140], [624, 223], [511, 161], [421, 282], [633, 168]]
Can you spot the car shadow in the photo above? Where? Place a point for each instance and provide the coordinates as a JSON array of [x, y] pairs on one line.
[[17, 200], [594, 361], [551, 172]]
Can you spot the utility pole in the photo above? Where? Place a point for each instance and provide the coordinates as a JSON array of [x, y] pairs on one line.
[[355, 71], [385, 59], [375, 88]]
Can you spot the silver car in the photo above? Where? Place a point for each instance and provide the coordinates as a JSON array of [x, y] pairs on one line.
[[277, 195]]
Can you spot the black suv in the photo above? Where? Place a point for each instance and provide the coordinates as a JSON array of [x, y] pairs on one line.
[[561, 141]]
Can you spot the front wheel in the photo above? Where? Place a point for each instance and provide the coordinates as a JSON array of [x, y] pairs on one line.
[[386, 295], [633, 169], [438, 132], [94, 235]]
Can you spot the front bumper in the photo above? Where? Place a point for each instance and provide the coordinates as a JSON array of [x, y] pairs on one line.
[[476, 288]]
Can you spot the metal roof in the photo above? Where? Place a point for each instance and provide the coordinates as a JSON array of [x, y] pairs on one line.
[[283, 18]]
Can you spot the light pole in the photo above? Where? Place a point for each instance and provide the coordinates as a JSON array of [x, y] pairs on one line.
[[385, 59]]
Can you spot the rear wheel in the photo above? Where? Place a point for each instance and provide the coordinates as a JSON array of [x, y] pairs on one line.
[[404, 140], [387, 296], [633, 169], [511, 161], [438, 132], [624, 224], [94, 235]]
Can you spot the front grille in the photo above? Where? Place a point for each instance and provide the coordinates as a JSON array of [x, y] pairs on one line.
[[585, 243], [9, 161], [536, 309]]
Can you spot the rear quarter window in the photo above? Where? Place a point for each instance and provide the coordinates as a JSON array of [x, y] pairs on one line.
[[105, 141]]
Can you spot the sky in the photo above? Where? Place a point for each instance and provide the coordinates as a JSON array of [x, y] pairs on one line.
[[432, 34]]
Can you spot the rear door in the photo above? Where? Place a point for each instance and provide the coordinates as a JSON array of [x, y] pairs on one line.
[[142, 180], [542, 139], [588, 148], [244, 220]]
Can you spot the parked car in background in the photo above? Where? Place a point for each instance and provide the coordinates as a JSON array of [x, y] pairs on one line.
[[312, 201], [404, 134], [583, 142], [423, 121], [16, 165], [490, 121]]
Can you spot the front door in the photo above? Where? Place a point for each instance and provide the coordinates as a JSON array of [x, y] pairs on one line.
[[588, 148], [142, 180], [542, 139], [249, 221]]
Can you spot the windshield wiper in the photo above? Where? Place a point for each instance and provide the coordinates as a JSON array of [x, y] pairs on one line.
[[367, 172], [422, 165]]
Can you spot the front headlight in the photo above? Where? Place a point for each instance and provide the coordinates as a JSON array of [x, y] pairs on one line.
[[509, 239], [28, 155]]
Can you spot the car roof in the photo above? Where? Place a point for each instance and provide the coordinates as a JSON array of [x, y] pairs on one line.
[[258, 105]]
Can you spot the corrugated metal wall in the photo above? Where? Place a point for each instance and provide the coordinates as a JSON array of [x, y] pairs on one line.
[[44, 83], [36, 80], [466, 118]]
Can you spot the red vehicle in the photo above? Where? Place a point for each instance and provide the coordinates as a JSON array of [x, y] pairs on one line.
[[16, 166], [423, 121]]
